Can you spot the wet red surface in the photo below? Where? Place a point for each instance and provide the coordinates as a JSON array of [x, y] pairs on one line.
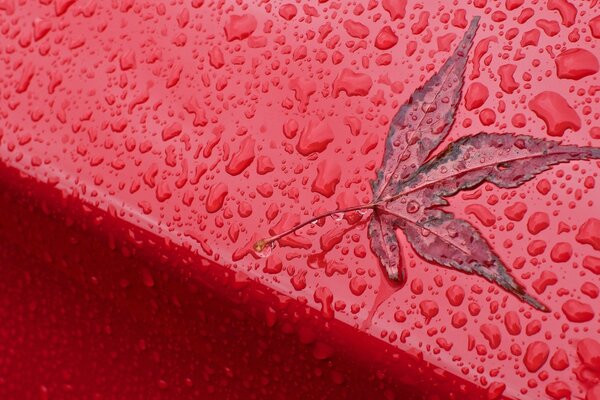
[[146, 145]]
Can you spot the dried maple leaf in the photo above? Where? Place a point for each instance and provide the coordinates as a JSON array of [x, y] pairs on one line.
[[411, 186]]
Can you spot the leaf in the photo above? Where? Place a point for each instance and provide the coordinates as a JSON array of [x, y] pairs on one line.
[[456, 244], [410, 187], [384, 244], [424, 120]]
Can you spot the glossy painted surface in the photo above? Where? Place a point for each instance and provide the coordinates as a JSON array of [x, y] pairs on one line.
[[207, 123], [98, 308]]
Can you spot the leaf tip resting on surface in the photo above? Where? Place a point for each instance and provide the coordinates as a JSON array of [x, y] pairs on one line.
[[522, 294]]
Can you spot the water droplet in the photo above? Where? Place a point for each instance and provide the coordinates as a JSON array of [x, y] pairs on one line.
[[413, 206], [266, 251], [338, 216]]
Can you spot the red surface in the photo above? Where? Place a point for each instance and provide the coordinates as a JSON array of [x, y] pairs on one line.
[[201, 126], [97, 308]]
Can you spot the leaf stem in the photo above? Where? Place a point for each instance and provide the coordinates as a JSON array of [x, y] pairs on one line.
[[262, 243]]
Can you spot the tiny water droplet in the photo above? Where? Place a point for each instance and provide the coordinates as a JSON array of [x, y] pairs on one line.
[[428, 107], [337, 216], [452, 232], [413, 206]]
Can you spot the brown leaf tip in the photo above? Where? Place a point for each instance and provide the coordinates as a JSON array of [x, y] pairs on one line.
[[260, 245], [393, 275]]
